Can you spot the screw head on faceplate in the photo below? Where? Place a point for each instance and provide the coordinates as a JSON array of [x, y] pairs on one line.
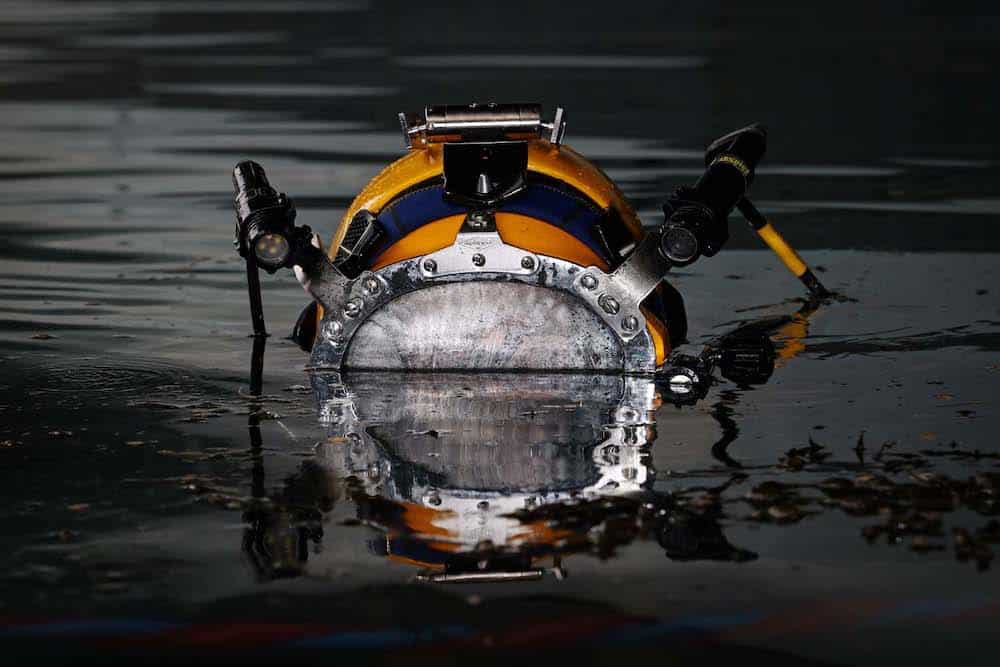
[[353, 308], [609, 304]]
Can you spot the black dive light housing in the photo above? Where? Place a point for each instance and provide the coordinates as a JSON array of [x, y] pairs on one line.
[[266, 235], [696, 217], [746, 358], [265, 220], [743, 357]]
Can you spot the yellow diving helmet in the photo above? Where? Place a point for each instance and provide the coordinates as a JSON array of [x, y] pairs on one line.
[[493, 222], [491, 245]]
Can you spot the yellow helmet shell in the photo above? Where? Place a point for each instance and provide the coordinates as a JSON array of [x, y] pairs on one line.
[[423, 166]]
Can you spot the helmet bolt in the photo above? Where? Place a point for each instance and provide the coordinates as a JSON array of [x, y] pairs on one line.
[[353, 308], [372, 285], [332, 329], [589, 281], [528, 263], [430, 266], [608, 304], [630, 323], [479, 259]]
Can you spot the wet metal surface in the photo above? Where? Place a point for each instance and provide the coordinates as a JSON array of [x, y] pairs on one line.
[[844, 512], [429, 328]]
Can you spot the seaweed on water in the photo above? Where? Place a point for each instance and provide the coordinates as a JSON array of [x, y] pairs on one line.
[[797, 458]]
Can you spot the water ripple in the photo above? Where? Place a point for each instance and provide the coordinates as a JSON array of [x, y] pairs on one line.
[[554, 61], [269, 90]]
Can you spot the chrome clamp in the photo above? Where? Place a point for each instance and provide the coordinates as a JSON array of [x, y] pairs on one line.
[[616, 296], [479, 254], [478, 248]]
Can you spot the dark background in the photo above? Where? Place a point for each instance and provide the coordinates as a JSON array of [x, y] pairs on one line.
[[123, 310]]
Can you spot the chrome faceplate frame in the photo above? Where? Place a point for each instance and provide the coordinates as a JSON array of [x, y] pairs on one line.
[[479, 254]]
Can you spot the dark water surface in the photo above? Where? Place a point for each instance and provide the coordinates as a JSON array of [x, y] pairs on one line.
[[846, 512]]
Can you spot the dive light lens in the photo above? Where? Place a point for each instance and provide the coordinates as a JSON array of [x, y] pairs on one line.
[[679, 244], [271, 250]]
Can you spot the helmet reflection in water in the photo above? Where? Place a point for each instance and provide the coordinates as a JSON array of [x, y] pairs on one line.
[[488, 476]]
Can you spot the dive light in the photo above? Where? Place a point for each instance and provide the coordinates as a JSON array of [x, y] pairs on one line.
[[743, 357], [746, 359], [266, 235], [696, 216], [265, 219]]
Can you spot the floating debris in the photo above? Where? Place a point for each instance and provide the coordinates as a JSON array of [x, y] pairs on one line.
[[969, 547], [796, 458], [784, 513]]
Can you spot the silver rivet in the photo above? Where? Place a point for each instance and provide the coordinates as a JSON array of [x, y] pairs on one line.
[[430, 266], [528, 263], [353, 307], [372, 285], [589, 281], [630, 323], [332, 329], [479, 259], [609, 304]]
